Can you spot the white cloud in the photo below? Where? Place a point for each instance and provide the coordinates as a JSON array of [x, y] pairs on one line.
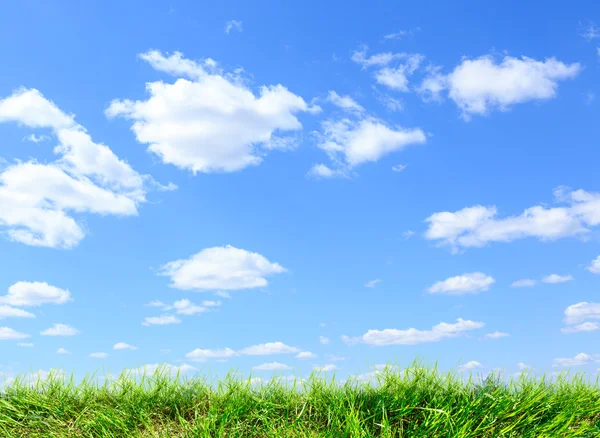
[[60, 330], [494, 335], [590, 31], [578, 316], [161, 320], [8, 334], [98, 355], [24, 293], [123, 346], [522, 366], [583, 327], [594, 267], [394, 77], [36, 138], [272, 366], [199, 355], [525, 282], [408, 234], [323, 340], [25, 344], [62, 351], [396, 35], [326, 367], [471, 365], [169, 369], [350, 143], [555, 278], [305, 355], [579, 360], [321, 171], [156, 303], [471, 283], [372, 283], [13, 312], [233, 25], [480, 85], [399, 167], [211, 122], [270, 348], [186, 307], [478, 225], [223, 294], [221, 268], [392, 104], [413, 336], [344, 102], [39, 199]]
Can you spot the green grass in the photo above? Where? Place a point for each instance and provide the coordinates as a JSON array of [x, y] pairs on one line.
[[415, 402]]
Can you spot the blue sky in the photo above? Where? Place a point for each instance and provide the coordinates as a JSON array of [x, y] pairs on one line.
[[364, 183]]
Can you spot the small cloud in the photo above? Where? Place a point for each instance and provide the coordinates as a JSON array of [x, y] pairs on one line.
[[233, 25], [408, 234], [399, 167], [62, 351], [327, 367], [36, 138], [60, 330], [525, 282], [156, 303], [344, 102], [160, 320], [223, 294], [372, 283], [594, 267], [578, 360], [334, 358], [305, 355], [494, 335], [323, 340], [25, 344], [98, 355], [471, 365], [123, 346], [272, 366], [470, 283], [396, 35], [589, 31], [583, 327], [555, 278]]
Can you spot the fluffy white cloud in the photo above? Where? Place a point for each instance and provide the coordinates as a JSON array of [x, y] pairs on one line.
[[494, 335], [579, 360], [225, 267], [413, 336], [321, 171], [344, 102], [161, 320], [480, 85], [24, 293], [393, 76], [594, 267], [305, 355], [525, 282], [270, 348], [555, 278], [199, 355], [168, 369], [583, 327], [272, 366], [372, 283], [13, 312], [578, 316], [210, 122], [471, 365], [60, 330], [39, 199], [8, 334], [98, 355], [471, 283], [349, 143], [233, 25], [326, 367], [323, 340], [123, 346], [477, 226], [62, 351]]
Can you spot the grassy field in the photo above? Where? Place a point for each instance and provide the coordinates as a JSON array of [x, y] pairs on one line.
[[415, 402]]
